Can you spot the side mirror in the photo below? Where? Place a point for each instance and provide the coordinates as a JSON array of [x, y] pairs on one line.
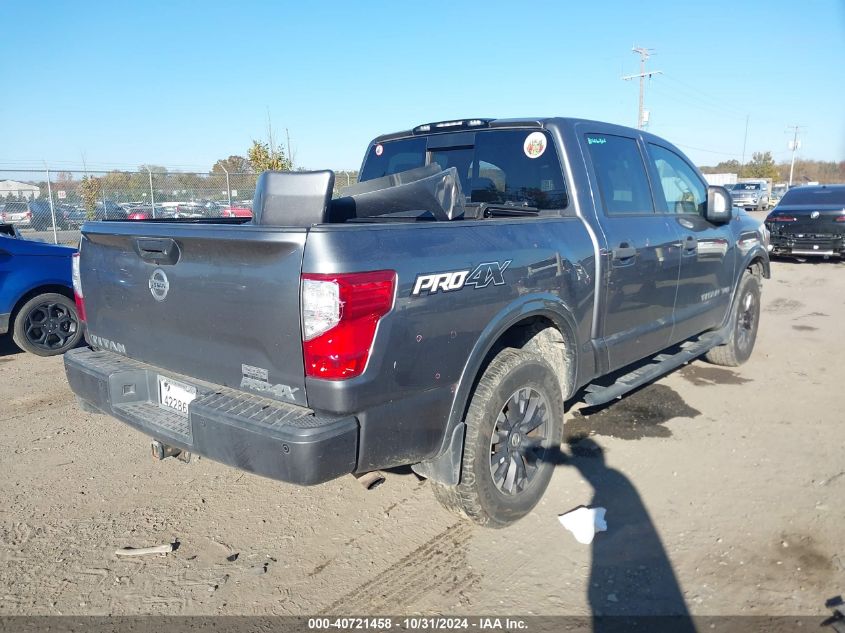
[[719, 205]]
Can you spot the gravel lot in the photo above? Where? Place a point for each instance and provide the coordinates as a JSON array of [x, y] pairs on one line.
[[724, 493]]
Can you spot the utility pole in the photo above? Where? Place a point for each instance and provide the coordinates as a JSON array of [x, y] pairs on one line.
[[152, 194], [744, 144], [644, 54], [270, 133], [52, 208], [794, 144], [290, 156], [228, 188]]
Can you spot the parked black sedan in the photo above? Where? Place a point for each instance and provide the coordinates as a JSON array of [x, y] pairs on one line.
[[809, 221]]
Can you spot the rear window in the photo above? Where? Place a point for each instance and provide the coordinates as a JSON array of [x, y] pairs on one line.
[[393, 157], [512, 167], [814, 196], [15, 207]]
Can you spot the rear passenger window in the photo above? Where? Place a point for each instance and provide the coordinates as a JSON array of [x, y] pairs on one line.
[[682, 188], [621, 174]]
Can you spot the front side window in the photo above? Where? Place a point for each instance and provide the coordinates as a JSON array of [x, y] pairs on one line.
[[621, 174], [683, 191]]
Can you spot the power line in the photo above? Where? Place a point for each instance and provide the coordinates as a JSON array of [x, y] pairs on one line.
[[708, 151], [700, 96], [689, 101]]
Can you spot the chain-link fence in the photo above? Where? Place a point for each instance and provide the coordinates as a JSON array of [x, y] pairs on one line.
[[51, 205]]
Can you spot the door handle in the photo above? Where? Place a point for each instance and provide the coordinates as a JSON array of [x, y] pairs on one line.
[[624, 252]]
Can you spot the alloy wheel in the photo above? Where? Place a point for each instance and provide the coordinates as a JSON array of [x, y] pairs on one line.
[[517, 443], [49, 326]]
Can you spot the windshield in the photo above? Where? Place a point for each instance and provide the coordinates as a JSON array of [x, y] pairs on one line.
[[814, 196], [504, 167], [747, 186]]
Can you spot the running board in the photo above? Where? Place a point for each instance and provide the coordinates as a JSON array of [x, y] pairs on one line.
[[661, 364]]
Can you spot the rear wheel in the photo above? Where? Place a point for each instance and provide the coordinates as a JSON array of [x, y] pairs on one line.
[[744, 322], [47, 325], [514, 427]]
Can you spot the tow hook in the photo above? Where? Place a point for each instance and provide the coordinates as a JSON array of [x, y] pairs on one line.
[[160, 451]]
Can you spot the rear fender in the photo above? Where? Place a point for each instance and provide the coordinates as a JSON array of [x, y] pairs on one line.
[[445, 467]]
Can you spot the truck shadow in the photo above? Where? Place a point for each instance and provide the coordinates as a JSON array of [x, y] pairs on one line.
[[8, 347], [630, 572]]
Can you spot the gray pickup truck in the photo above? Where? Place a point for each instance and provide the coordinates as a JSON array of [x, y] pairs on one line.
[[438, 314]]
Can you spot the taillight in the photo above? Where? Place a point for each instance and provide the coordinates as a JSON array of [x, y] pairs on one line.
[[782, 218], [29, 215], [77, 287], [841, 218], [340, 313]]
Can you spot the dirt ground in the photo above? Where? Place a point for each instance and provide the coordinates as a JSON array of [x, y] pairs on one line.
[[724, 492]]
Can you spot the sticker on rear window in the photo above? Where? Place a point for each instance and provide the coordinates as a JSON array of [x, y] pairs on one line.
[[379, 149], [535, 145], [596, 140]]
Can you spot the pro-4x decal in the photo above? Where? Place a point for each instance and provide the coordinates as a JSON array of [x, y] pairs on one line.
[[480, 277]]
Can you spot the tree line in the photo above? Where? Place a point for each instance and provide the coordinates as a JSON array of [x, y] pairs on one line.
[[762, 165]]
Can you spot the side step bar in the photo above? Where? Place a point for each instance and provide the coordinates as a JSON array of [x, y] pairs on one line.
[[661, 364]]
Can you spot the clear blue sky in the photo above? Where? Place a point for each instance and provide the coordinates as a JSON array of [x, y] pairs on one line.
[[185, 83]]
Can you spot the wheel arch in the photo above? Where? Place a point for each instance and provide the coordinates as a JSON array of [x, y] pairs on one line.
[[34, 292], [757, 261], [544, 324]]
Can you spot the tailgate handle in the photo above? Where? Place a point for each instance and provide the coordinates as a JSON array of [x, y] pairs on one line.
[[158, 250]]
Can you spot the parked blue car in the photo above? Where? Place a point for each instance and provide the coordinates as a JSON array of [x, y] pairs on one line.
[[36, 294]]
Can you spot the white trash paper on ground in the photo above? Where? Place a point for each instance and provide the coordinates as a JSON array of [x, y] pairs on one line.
[[584, 522]]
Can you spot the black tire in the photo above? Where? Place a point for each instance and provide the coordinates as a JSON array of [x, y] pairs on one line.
[[743, 326], [47, 325], [520, 381]]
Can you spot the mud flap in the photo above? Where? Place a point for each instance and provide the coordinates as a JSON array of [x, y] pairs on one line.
[[446, 467]]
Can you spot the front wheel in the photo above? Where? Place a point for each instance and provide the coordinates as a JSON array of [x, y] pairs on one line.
[[514, 429], [47, 325], [743, 327]]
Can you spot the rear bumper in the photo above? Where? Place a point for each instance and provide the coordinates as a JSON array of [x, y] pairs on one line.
[[262, 436], [808, 245], [748, 205], [4, 323]]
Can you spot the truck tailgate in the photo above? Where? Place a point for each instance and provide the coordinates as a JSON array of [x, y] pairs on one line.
[[219, 303]]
